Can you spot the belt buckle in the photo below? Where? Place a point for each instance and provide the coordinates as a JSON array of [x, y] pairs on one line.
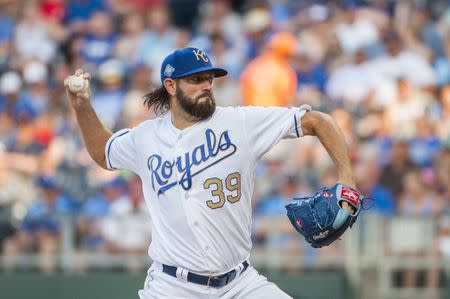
[[211, 278]]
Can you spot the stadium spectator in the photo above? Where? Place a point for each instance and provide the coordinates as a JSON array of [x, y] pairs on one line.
[[41, 227], [131, 35], [140, 83], [420, 200], [36, 94], [93, 212], [109, 99], [127, 227], [397, 167], [99, 41], [352, 83], [32, 39], [426, 144], [354, 32], [409, 105], [225, 55], [381, 200], [53, 9], [158, 40], [280, 82], [257, 24], [78, 13], [10, 84], [310, 74]]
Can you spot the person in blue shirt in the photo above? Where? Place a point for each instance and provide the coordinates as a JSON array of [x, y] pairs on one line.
[[41, 226], [94, 210], [380, 199], [81, 10], [310, 74], [44, 213], [109, 99], [99, 42], [425, 145]]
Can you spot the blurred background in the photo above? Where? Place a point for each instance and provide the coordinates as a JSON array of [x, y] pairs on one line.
[[69, 229]]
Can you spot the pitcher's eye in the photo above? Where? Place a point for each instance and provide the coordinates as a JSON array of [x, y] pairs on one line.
[[200, 79]]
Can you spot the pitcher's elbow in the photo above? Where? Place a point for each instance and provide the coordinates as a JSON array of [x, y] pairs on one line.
[[314, 121], [100, 160]]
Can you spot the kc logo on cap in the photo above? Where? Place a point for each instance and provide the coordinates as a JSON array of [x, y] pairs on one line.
[[200, 54]]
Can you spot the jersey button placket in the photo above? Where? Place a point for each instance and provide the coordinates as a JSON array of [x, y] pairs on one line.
[[194, 224]]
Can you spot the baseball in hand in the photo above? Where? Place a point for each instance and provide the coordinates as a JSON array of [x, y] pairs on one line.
[[78, 84]]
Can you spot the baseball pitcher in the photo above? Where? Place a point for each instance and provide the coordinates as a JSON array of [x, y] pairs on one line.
[[197, 165]]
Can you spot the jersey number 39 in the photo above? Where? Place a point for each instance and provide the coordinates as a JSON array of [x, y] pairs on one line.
[[232, 184]]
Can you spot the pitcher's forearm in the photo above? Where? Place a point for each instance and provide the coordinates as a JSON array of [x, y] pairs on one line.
[[333, 140], [324, 127], [94, 133]]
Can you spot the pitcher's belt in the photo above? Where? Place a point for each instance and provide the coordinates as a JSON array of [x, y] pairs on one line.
[[213, 281]]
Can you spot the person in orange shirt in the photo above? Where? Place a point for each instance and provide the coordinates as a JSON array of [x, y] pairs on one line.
[[269, 80]]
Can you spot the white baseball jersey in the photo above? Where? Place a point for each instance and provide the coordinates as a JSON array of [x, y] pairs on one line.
[[198, 182]]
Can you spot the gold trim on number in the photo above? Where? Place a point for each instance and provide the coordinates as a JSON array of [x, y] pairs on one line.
[[232, 184], [233, 187], [218, 192]]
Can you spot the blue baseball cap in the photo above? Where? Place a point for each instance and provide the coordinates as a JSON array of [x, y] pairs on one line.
[[188, 61]]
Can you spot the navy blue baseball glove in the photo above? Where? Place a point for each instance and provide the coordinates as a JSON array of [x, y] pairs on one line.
[[320, 218]]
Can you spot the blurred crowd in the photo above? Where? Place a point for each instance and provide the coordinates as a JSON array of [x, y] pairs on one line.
[[380, 67]]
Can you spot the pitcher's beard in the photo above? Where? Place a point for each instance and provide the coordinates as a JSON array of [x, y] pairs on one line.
[[193, 106]]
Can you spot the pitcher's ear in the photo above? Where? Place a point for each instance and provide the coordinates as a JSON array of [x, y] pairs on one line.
[[171, 86]]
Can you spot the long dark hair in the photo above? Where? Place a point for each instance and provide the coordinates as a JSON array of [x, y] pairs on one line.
[[158, 99]]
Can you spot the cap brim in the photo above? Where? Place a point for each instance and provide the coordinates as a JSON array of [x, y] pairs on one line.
[[218, 72]]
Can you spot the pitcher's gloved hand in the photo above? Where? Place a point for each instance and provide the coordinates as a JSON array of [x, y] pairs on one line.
[[320, 218]]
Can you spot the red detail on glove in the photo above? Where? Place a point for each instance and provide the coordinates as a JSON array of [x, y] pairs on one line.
[[351, 195], [299, 222]]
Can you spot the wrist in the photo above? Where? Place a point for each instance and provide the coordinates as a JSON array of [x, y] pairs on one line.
[[347, 179], [81, 106]]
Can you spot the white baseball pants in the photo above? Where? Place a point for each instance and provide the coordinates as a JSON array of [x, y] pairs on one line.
[[247, 285]]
